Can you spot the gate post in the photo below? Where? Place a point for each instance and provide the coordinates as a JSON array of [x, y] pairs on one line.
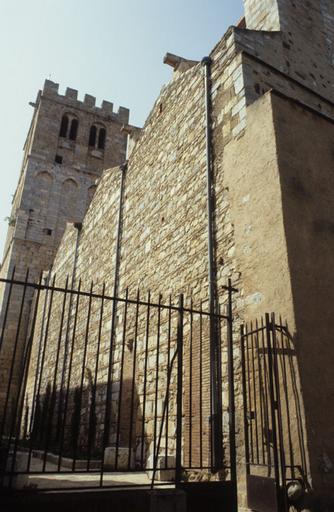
[[244, 347], [273, 404], [178, 458]]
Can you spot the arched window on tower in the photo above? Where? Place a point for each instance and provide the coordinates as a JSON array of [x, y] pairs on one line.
[[74, 129], [102, 138], [63, 126], [92, 136]]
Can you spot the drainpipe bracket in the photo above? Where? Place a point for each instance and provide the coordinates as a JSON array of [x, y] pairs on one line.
[[206, 61]]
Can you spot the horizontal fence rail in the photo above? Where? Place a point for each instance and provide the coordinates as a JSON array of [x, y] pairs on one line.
[[103, 391]]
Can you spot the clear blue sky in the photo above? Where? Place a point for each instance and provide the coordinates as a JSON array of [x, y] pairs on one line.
[[112, 49]]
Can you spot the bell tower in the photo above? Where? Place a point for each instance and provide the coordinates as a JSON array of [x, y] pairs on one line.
[[69, 144]]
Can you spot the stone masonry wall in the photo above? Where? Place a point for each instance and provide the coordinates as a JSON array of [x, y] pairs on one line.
[[164, 228]]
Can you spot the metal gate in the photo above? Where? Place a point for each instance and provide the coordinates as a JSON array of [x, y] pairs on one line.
[[273, 428], [112, 392]]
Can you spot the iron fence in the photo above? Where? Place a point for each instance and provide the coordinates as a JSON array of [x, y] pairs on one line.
[[103, 391], [273, 426]]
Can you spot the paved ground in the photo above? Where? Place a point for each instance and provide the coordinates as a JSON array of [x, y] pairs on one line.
[[51, 478]]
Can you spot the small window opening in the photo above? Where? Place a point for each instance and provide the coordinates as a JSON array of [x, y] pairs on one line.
[[63, 126], [58, 159], [92, 136], [102, 138], [74, 129], [48, 231]]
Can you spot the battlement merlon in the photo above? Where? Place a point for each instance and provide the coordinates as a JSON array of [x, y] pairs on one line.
[[51, 90]]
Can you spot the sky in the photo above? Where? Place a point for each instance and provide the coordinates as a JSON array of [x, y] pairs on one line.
[[111, 49]]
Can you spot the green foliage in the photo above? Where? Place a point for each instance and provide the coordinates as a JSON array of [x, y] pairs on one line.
[[11, 221]]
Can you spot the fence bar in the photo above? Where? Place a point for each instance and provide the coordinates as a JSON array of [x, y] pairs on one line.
[[82, 377], [233, 454], [287, 401], [54, 385], [260, 383], [244, 394], [107, 411], [157, 379], [120, 396], [201, 387], [106, 297], [279, 413], [273, 405], [190, 383], [67, 394], [147, 331], [178, 472], [255, 398], [266, 401], [133, 380], [92, 427], [37, 382], [168, 363]]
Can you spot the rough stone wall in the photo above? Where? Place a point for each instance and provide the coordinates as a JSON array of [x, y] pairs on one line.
[[281, 209], [164, 228], [304, 43], [262, 15]]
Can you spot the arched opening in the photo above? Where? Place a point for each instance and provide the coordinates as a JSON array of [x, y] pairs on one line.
[[102, 138], [92, 136], [63, 126], [74, 129]]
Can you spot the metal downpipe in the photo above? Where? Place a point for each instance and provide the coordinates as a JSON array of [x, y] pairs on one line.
[[215, 370]]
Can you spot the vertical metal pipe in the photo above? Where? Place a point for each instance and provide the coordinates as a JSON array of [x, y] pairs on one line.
[[78, 227], [123, 169], [216, 399]]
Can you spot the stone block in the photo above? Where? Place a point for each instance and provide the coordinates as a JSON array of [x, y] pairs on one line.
[[163, 474], [109, 463]]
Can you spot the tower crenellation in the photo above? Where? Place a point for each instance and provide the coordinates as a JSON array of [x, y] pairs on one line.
[[70, 98]]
